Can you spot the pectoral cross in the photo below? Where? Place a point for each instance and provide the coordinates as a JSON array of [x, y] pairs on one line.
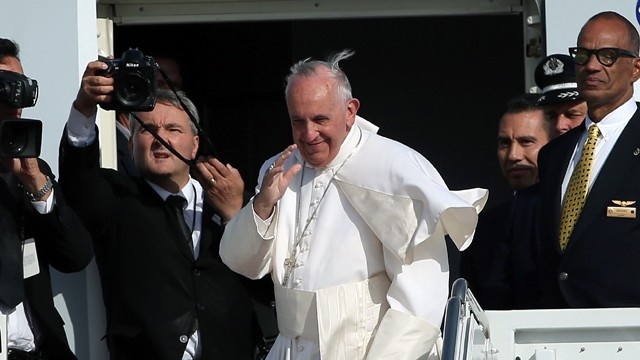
[[289, 264]]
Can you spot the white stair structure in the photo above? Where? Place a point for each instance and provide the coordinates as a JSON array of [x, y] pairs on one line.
[[471, 333]]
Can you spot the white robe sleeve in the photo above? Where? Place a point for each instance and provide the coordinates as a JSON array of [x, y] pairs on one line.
[[243, 249]]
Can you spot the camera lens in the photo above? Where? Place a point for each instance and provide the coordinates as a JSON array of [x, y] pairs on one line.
[[15, 139], [133, 90]]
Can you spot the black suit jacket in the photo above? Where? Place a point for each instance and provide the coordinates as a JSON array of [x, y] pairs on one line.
[[483, 264], [501, 265], [600, 265], [61, 241], [154, 290]]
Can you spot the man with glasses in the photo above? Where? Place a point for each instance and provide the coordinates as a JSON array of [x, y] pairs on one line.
[[589, 178]]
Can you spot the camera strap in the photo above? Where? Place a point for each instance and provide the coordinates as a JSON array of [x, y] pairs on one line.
[[201, 132]]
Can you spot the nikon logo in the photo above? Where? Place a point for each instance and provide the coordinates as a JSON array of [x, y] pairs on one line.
[[132, 65]]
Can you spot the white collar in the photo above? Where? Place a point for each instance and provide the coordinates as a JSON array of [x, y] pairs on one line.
[[614, 120], [186, 192]]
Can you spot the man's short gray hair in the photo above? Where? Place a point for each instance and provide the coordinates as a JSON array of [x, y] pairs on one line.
[[309, 67], [168, 97]]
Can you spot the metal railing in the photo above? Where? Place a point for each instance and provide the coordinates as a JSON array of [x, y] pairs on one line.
[[466, 334]]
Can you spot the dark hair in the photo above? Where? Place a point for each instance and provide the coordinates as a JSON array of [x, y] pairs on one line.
[[528, 102], [634, 38], [522, 103], [9, 48]]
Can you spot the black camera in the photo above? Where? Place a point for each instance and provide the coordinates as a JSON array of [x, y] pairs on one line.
[[20, 138], [135, 85], [17, 90]]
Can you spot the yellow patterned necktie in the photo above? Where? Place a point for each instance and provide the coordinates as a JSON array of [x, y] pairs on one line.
[[577, 188]]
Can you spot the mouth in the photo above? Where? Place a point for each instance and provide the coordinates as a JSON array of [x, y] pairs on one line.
[[161, 155], [591, 81], [519, 170]]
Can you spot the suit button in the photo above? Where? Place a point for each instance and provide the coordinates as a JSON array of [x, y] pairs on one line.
[[196, 272], [201, 306], [563, 276], [184, 339]]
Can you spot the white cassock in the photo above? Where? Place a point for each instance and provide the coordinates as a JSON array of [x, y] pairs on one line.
[[369, 275]]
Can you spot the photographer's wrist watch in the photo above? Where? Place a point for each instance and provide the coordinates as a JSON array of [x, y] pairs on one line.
[[40, 193]]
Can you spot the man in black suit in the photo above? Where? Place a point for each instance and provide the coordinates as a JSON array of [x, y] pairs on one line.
[[166, 292], [37, 230], [487, 264], [593, 261]]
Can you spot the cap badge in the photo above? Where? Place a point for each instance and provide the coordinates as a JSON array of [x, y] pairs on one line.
[[553, 66]]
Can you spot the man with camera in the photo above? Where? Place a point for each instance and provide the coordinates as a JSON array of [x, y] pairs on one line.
[[37, 228], [166, 292]]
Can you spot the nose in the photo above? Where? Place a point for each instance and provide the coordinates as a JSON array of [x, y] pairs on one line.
[[515, 152], [310, 131], [162, 134], [563, 124]]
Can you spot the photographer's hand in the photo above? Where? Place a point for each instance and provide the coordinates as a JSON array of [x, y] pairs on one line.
[[223, 186], [94, 89], [28, 172]]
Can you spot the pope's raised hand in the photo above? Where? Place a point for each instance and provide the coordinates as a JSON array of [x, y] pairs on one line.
[[274, 183]]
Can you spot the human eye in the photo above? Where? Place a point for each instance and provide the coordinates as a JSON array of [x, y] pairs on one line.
[[295, 122], [144, 129], [527, 141], [503, 142], [321, 119], [607, 56], [580, 55]]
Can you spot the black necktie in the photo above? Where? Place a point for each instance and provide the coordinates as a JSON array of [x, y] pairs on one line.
[[177, 204]]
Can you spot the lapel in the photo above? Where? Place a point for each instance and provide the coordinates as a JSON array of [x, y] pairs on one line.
[[620, 162], [206, 234], [559, 161]]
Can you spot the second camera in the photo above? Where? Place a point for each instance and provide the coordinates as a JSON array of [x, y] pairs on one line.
[[135, 83]]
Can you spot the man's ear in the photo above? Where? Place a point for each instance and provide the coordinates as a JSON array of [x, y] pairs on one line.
[[635, 75], [352, 109], [196, 143]]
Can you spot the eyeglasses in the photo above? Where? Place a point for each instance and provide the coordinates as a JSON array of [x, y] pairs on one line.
[[606, 56]]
